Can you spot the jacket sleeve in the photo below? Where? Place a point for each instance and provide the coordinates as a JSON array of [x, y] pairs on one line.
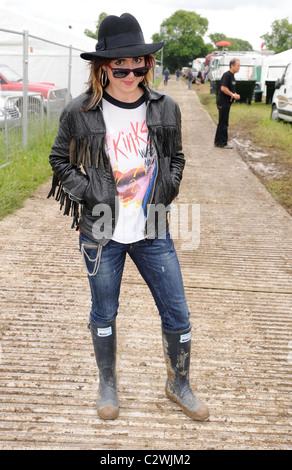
[[73, 181], [177, 162]]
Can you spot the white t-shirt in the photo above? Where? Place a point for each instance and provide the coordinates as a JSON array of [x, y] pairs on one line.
[[133, 163]]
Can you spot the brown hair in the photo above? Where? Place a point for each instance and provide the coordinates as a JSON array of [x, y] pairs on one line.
[[95, 88]]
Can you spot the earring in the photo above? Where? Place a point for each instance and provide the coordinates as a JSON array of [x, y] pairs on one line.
[[103, 78]]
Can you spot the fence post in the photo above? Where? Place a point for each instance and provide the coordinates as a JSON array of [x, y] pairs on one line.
[[25, 90], [6, 130], [48, 107]]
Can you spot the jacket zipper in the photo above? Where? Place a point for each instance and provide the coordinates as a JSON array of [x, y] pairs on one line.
[[154, 183], [103, 121], [111, 170]]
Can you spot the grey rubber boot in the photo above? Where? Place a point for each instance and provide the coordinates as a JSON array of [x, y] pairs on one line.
[[105, 346], [177, 352]]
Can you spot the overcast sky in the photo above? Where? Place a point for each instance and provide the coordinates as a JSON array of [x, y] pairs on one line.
[[244, 19]]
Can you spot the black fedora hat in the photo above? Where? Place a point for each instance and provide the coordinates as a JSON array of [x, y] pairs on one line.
[[121, 36]]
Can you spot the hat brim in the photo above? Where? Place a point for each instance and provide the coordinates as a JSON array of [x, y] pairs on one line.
[[127, 51]]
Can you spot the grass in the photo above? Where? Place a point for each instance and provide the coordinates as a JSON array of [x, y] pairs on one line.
[[26, 171], [253, 123], [156, 83]]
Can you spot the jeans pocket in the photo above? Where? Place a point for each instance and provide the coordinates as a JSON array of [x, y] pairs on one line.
[[91, 255]]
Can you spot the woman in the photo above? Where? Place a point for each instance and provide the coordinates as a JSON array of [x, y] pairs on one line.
[[118, 155]]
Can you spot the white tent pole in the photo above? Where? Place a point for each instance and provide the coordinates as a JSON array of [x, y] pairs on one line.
[[70, 71], [25, 89]]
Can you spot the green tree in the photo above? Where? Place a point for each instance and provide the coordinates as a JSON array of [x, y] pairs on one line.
[[182, 34], [94, 34], [236, 44], [281, 37]]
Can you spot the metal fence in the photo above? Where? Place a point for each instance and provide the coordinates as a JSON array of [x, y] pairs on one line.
[[19, 128], [14, 118], [25, 115], [56, 101]]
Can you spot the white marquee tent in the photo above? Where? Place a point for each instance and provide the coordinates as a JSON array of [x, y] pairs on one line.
[[47, 62]]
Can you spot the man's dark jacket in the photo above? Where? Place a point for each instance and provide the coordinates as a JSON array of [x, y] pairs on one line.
[[83, 176]]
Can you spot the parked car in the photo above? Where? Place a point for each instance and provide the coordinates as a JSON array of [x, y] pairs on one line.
[[11, 84], [282, 98], [184, 71]]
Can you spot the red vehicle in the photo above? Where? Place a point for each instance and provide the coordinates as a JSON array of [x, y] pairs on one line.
[[11, 84], [12, 81]]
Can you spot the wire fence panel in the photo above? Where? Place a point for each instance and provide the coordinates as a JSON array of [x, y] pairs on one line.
[[10, 129], [55, 103], [12, 123], [37, 79], [12, 126]]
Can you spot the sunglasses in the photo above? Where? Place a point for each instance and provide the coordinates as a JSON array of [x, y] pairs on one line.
[[122, 73]]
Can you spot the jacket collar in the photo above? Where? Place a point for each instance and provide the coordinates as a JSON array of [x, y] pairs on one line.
[[150, 95]]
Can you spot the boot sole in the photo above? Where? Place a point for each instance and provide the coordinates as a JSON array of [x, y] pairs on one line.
[[201, 414], [108, 413]]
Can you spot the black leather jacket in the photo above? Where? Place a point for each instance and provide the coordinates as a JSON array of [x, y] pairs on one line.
[[83, 177]]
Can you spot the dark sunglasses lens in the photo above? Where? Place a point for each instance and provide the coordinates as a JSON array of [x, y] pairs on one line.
[[141, 72], [120, 73]]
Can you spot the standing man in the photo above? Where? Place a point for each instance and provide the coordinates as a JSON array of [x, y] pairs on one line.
[[225, 98]]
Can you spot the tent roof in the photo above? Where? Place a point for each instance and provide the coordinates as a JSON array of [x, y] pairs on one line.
[[281, 59], [16, 22]]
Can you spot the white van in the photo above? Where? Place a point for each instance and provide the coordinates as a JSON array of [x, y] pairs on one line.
[[199, 64], [282, 99]]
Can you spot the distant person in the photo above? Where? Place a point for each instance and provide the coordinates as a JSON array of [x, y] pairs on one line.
[[190, 79], [199, 80], [166, 76], [177, 74], [226, 97], [206, 73]]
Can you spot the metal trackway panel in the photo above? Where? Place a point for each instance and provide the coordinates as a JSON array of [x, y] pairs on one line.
[[238, 282]]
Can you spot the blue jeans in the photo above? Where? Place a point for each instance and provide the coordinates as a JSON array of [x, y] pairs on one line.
[[157, 263]]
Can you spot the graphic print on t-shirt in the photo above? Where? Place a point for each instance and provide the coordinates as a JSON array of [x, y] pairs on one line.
[[131, 161]]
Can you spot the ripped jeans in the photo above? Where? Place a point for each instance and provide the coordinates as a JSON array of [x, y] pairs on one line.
[[157, 263]]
